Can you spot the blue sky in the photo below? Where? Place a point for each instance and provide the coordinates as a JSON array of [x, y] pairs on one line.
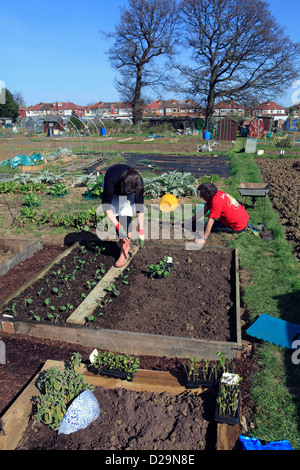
[[54, 52]]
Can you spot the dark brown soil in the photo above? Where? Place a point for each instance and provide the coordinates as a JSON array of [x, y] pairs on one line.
[[195, 301], [132, 420], [23, 271], [283, 175]]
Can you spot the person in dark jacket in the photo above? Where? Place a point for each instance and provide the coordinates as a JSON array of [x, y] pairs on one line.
[[122, 197]]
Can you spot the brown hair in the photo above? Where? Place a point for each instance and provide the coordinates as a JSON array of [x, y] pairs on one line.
[[131, 182], [207, 190]]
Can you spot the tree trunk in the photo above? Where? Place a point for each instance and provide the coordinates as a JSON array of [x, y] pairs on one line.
[[137, 113]]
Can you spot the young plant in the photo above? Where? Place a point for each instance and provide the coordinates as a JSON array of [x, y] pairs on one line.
[[47, 303], [66, 308], [161, 269], [12, 309], [58, 388], [113, 289]]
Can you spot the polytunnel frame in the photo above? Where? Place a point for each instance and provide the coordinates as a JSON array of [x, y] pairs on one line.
[[38, 118], [66, 120]]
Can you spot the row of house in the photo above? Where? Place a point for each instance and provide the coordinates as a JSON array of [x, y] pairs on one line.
[[158, 108]]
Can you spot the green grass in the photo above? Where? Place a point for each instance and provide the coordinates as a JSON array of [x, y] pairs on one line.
[[274, 288]]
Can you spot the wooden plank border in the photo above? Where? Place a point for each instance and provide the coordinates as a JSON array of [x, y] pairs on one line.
[[26, 248]]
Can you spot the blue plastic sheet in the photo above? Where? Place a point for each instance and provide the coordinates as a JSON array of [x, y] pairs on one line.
[[251, 443], [24, 160]]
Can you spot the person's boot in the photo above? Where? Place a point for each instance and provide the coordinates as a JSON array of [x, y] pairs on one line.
[[124, 254]]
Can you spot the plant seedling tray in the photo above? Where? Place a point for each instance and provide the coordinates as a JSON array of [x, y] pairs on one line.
[[24, 249]]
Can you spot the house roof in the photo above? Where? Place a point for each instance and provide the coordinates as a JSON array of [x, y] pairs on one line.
[[54, 106], [108, 105], [269, 105], [172, 103], [228, 104]]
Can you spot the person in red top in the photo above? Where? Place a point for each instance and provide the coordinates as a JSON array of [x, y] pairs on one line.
[[226, 214]]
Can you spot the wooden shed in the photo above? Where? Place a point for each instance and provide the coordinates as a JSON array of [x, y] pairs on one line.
[[227, 129], [54, 123]]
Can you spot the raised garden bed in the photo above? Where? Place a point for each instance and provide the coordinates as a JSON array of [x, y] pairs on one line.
[[195, 311], [14, 251], [63, 284], [154, 412]]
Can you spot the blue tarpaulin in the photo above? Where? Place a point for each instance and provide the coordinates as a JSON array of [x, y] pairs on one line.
[[276, 331], [251, 443]]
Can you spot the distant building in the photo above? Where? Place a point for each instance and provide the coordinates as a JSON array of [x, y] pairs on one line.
[[173, 108], [55, 108], [109, 110], [269, 108], [227, 107]]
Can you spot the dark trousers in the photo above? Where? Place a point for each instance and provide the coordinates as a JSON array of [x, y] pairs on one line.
[[219, 227]]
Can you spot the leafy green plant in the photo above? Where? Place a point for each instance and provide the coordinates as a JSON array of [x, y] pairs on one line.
[[28, 214], [47, 303], [161, 269], [174, 182], [32, 200], [95, 190], [67, 308], [58, 190], [58, 388], [12, 309]]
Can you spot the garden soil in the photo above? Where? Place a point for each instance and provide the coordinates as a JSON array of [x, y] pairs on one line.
[[197, 300], [283, 175], [132, 420]]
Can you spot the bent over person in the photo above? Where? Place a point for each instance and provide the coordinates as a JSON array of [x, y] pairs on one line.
[[123, 188], [226, 214]]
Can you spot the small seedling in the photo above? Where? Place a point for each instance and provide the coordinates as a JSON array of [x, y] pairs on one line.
[[113, 289]]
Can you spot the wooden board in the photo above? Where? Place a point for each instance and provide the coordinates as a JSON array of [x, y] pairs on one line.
[[25, 248]]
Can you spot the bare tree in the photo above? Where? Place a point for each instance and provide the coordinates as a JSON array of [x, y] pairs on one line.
[[237, 48], [145, 33]]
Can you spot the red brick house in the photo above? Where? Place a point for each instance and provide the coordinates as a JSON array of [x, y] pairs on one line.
[[173, 108], [227, 107], [269, 108], [55, 108]]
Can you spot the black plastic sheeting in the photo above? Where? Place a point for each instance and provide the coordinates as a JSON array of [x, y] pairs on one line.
[[198, 165]]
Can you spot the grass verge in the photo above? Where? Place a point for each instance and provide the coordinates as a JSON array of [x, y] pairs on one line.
[[274, 288]]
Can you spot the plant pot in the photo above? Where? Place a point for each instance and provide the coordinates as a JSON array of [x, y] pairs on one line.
[[228, 380], [117, 374], [227, 418]]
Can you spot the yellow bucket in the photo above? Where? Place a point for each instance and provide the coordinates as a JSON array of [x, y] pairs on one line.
[[168, 203]]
